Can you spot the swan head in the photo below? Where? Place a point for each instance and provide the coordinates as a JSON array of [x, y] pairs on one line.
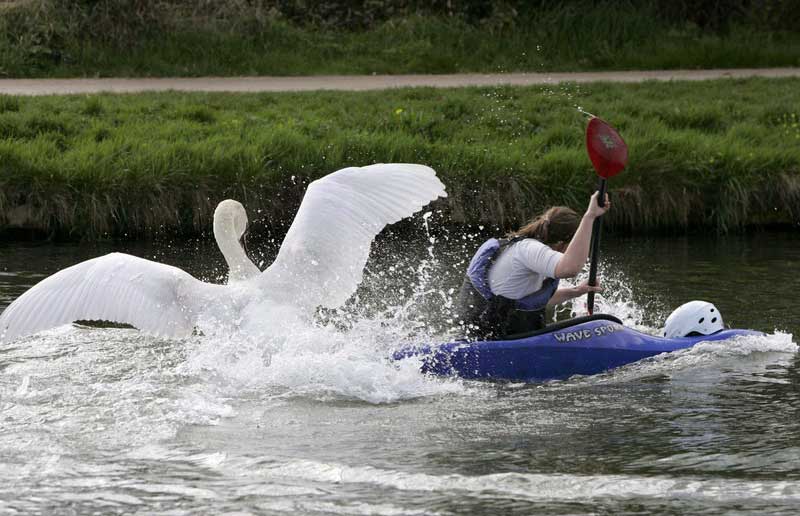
[[230, 219]]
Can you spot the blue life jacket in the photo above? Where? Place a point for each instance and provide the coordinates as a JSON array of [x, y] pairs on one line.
[[489, 315]]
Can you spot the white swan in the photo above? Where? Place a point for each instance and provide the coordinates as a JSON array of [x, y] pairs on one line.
[[320, 262]]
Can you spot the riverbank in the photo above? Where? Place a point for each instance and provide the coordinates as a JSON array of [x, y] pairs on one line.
[[720, 155], [117, 38]]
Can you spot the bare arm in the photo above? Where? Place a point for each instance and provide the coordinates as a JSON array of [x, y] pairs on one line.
[[578, 249], [567, 293]]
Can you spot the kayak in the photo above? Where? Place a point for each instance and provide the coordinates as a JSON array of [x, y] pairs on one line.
[[581, 346]]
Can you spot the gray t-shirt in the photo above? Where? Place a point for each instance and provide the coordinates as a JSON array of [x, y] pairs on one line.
[[522, 268]]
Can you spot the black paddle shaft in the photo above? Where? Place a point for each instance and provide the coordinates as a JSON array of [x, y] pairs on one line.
[[597, 227]]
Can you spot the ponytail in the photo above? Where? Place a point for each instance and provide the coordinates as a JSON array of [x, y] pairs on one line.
[[558, 224]]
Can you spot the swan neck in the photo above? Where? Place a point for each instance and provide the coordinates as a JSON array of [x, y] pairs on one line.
[[239, 265]]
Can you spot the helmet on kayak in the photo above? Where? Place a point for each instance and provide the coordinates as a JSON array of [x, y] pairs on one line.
[[693, 318]]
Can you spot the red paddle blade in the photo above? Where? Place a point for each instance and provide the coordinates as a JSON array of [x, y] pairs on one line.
[[607, 149]]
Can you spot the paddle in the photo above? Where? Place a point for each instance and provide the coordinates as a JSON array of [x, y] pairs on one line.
[[609, 154]]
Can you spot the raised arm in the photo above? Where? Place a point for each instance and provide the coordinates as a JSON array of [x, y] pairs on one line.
[[578, 249]]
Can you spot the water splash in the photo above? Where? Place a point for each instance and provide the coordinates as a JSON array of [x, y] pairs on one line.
[[345, 353], [620, 299], [316, 361]]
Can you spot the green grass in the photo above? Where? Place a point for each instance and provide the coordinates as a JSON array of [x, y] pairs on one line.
[[718, 154], [563, 38]]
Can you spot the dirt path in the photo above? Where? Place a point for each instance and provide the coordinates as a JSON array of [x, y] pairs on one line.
[[363, 82]]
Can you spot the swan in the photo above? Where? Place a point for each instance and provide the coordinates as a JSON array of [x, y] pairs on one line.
[[320, 263]]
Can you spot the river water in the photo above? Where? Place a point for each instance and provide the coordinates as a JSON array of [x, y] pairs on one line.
[[107, 421]]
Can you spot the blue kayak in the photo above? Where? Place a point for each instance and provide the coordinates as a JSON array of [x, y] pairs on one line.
[[581, 346]]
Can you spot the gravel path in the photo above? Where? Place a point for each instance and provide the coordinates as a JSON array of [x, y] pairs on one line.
[[364, 82]]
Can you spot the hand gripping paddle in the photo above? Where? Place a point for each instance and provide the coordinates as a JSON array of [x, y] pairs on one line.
[[609, 154]]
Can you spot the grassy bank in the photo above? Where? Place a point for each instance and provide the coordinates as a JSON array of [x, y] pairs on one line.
[[718, 154], [51, 38]]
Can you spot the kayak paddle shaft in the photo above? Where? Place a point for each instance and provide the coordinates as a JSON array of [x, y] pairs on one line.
[[597, 227]]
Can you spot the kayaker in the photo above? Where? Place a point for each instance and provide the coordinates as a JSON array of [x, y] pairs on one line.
[[511, 281]]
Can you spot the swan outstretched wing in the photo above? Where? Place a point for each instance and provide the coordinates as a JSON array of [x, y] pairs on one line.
[[155, 298], [322, 258]]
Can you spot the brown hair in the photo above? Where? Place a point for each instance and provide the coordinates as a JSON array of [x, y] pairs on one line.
[[558, 224]]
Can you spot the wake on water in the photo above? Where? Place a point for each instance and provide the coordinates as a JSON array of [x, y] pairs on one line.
[[141, 388]]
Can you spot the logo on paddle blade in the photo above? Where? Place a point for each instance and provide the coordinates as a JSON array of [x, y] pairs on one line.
[[607, 141]]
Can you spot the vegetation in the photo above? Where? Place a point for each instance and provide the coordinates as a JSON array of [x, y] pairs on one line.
[[719, 154], [61, 38]]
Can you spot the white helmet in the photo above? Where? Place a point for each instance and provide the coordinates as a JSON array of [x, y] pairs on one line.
[[693, 317]]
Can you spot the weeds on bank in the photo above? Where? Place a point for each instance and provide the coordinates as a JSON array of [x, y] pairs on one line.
[[719, 154]]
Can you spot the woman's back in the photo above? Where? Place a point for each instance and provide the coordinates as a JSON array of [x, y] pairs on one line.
[[522, 268]]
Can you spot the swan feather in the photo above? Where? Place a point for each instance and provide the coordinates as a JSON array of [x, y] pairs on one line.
[[322, 258]]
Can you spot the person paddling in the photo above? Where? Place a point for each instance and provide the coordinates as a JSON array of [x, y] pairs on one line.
[[511, 281]]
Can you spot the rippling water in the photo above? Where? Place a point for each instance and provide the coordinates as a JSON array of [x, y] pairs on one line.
[[110, 421]]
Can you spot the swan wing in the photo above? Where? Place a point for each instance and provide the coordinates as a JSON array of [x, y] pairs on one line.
[[155, 298], [322, 258]]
